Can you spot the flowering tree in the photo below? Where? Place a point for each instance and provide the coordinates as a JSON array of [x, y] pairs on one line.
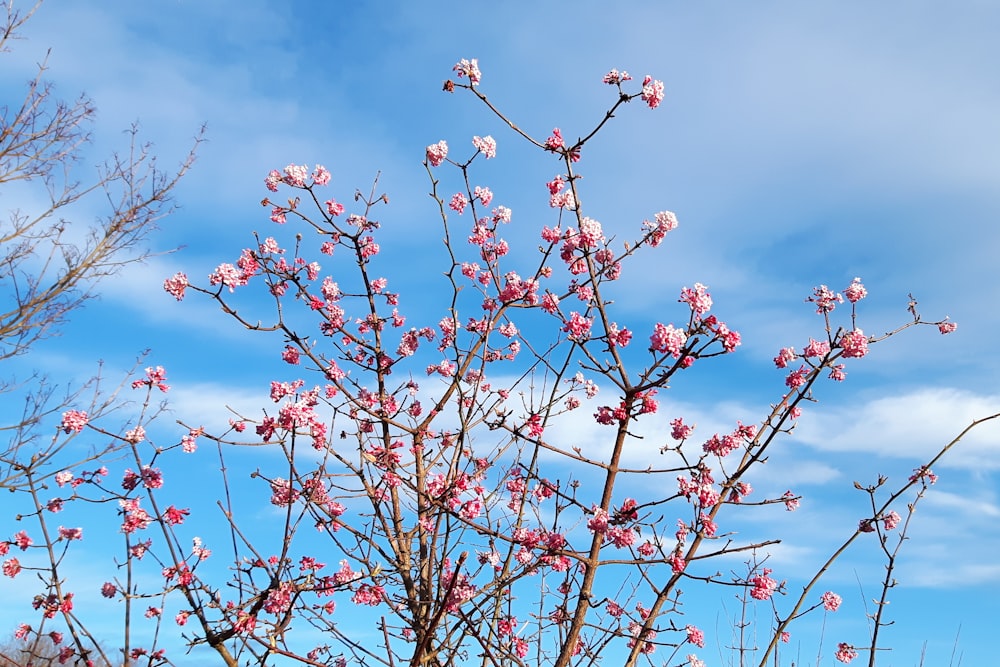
[[433, 505]]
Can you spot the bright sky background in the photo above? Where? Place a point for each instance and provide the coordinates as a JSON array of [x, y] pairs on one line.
[[798, 144]]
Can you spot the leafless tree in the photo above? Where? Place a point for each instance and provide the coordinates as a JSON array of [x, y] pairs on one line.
[[51, 262]]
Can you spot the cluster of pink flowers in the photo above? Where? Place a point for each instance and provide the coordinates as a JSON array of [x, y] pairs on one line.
[[73, 421], [831, 601], [69, 534], [700, 486], [469, 68], [652, 92], [845, 652], [296, 177], [577, 326], [791, 501], [667, 339], [697, 298], [656, 231], [155, 377], [487, 146], [763, 586], [854, 343], [722, 446], [855, 291], [436, 153], [614, 77], [825, 299], [695, 636], [176, 285], [679, 430]]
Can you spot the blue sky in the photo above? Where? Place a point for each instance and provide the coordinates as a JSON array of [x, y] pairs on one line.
[[798, 145]]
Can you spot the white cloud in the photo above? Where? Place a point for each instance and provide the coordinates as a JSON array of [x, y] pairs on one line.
[[913, 425]]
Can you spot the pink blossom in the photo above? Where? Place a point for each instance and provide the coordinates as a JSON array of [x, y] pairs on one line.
[[245, 623], [506, 626], [189, 442], [598, 523], [791, 502], [282, 493], [763, 586], [436, 153], [321, 175], [831, 601], [368, 595], [155, 377], [73, 421], [70, 533], [708, 527], [485, 195], [11, 567], [679, 430], [270, 247], [295, 175], [695, 636], [590, 234], [845, 652], [891, 520], [469, 68], [721, 446], [816, 348], [458, 203], [730, 339], [578, 326], [652, 92], [272, 180], [621, 536], [290, 355], [136, 518], [797, 378], [174, 516], [334, 208], [667, 339], [176, 285], [785, 355], [367, 247], [824, 299], [923, 473], [279, 600], [855, 291], [486, 145], [854, 344], [555, 141], [665, 221], [947, 327], [698, 298], [615, 77], [108, 589]]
